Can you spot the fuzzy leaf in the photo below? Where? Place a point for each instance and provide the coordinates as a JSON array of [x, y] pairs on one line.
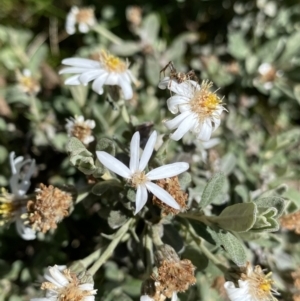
[[233, 246], [238, 217], [102, 187], [212, 189], [275, 201]]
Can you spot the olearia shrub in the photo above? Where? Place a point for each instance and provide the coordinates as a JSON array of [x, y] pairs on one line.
[[149, 159]]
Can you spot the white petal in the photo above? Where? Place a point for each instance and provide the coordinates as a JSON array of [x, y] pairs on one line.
[[83, 27], [98, 83], [134, 152], [238, 293], [113, 164], [175, 122], [174, 296], [40, 299], [183, 128], [58, 276], [167, 171], [162, 195], [73, 70], [73, 81], [148, 150], [164, 83], [80, 62], [90, 75], [205, 130], [112, 79], [186, 88], [127, 89], [217, 121], [86, 286], [25, 232], [146, 298], [141, 198], [174, 101]]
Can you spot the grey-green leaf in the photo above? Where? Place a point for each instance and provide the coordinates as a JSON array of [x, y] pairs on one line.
[[212, 189], [238, 217]]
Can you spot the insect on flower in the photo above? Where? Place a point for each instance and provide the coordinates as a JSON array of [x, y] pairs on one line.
[[179, 77]]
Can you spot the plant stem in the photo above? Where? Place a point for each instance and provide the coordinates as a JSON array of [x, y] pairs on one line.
[[33, 108], [200, 243], [107, 34], [155, 233], [111, 247]]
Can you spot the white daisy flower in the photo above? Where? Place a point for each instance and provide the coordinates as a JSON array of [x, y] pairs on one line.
[[136, 175], [13, 205], [62, 284], [254, 285], [199, 108], [108, 70], [84, 17], [81, 129]]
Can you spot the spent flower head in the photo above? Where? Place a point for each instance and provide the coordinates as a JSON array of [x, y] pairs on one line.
[[84, 17], [200, 108], [253, 285], [81, 129], [61, 285], [136, 175], [50, 206], [107, 70], [13, 205]]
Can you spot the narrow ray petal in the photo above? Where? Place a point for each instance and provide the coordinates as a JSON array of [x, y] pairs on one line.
[[73, 80], [147, 153], [141, 198], [174, 101], [80, 62], [90, 75], [113, 164], [183, 128], [126, 88], [98, 83], [175, 122], [134, 152], [162, 195], [167, 171], [205, 130], [73, 70]]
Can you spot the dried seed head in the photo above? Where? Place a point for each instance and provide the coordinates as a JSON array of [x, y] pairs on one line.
[[172, 186], [296, 277], [49, 208], [173, 274], [291, 222]]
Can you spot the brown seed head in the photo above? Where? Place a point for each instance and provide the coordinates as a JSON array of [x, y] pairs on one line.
[[85, 15], [218, 285], [173, 274], [291, 222], [172, 186], [49, 208]]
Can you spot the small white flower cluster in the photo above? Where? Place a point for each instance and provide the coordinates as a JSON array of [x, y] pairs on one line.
[[108, 70], [62, 284], [14, 203], [84, 17], [200, 109]]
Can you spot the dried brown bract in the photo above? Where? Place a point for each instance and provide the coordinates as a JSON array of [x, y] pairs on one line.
[[291, 222], [49, 208]]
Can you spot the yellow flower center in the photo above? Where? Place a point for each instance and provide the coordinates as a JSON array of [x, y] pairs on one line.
[[112, 63], [266, 285], [138, 178], [204, 102]]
